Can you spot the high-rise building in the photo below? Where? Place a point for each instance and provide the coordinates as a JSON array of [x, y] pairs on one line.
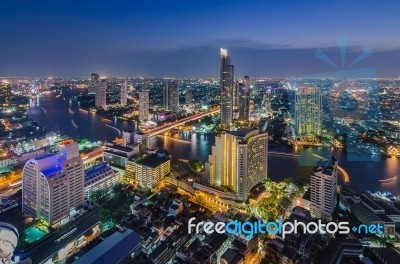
[[53, 185], [94, 82], [308, 111], [239, 160], [188, 97], [171, 96], [227, 86], [101, 95], [323, 191], [244, 101], [5, 93], [268, 102], [124, 95], [144, 105]]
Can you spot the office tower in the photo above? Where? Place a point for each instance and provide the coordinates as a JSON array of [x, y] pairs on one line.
[[308, 111], [144, 105], [239, 160], [101, 95], [267, 102], [236, 95], [246, 80], [124, 95], [244, 102], [127, 137], [53, 185], [94, 82], [323, 191], [171, 96], [226, 85], [5, 93], [188, 97]]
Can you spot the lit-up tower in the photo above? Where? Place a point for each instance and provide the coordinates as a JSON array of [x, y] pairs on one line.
[[124, 95], [308, 111], [171, 96], [143, 105], [239, 160], [53, 185], [268, 102], [94, 82], [227, 86], [101, 95], [244, 100], [323, 191], [5, 93]]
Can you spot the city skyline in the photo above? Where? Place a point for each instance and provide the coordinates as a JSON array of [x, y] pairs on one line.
[[270, 39]]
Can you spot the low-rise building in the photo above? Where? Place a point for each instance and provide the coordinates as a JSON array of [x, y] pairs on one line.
[[100, 177]]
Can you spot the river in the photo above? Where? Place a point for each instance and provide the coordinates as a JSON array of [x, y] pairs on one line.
[[61, 113]]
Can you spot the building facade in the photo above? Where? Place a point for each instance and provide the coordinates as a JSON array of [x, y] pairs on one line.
[[53, 185], [239, 160], [124, 94], [226, 86], [308, 111], [144, 105], [323, 191], [5, 93], [100, 177], [150, 169], [101, 95], [171, 96]]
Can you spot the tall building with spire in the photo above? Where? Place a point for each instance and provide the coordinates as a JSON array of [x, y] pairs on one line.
[[308, 111], [53, 185], [171, 96], [238, 160], [227, 87]]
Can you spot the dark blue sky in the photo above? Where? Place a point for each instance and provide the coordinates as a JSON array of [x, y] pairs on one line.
[[182, 38]]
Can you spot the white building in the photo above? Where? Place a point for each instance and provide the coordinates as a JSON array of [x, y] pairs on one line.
[[53, 185], [123, 93], [239, 160], [323, 191]]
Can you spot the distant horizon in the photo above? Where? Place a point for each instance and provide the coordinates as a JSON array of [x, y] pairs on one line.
[[168, 38]]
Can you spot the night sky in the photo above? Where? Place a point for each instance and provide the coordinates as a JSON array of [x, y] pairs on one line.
[[182, 38]]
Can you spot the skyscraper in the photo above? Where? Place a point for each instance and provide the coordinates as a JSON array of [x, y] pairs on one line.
[[171, 96], [94, 82], [239, 160], [308, 111], [52, 185], [226, 85], [323, 191], [244, 101], [143, 105], [268, 102], [124, 95], [5, 93], [101, 95]]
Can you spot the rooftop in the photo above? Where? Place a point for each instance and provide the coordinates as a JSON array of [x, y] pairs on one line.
[[152, 161], [113, 249]]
